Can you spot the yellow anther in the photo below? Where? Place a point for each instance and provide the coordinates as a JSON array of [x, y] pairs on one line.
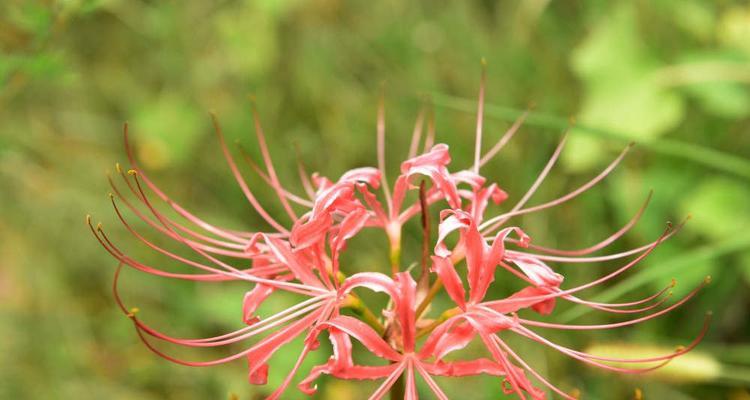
[[132, 172], [679, 349], [707, 279], [88, 219], [118, 168], [575, 393], [111, 196], [133, 312], [638, 395], [674, 282], [98, 226]]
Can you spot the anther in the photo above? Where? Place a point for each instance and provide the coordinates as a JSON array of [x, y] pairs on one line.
[[707, 279], [132, 172], [638, 395], [118, 168], [133, 312]]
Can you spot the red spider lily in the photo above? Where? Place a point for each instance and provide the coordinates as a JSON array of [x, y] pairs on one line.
[[303, 257], [404, 359]]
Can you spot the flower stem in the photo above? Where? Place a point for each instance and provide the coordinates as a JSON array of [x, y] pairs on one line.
[[360, 308]]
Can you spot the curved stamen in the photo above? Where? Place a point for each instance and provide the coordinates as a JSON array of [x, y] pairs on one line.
[[604, 243], [241, 181], [149, 221], [584, 286], [503, 139], [618, 324], [591, 361], [499, 220], [306, 321], [533, 372], [225, 233], [416, 134], [492, 224], [289, 195], [381, 152], [388, 382], [275, 183], [212, 249], [480, 119], [216, 261], [430, 382]]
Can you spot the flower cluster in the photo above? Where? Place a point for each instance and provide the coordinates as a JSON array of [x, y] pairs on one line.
[[413, 338]]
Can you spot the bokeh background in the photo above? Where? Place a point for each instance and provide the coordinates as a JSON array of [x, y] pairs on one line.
[[671, 75]]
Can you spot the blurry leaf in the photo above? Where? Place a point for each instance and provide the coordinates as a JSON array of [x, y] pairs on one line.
[[250, 37], [719, 207], [167, 130], [696, 17], [583, 151], [35, 18], [734, 28], [724, 99], [745, 266], [667, 269], [691, 367], [619, 94]]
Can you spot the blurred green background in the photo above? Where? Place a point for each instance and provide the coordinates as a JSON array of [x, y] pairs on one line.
[[672, 75]]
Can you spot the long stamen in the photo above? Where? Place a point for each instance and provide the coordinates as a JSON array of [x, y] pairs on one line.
[[305, 321], [416, 134], [619, 324], [303, 175], [584, 286], [480, 119], [616, 310], [430, 139], [430, 382], [498, 221], [381, 151], [287, 194], [504, 139], [533, 372], [388, 382], [533, 336], [241, 181], [275, 183], [150, 222], [608, 257], [235, 274], [604, 243], [492, 222], [229, 338], [225, 233], [304, 287], [211, 249]]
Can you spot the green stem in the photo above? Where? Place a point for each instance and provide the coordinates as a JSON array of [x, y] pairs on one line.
[[360, 308]]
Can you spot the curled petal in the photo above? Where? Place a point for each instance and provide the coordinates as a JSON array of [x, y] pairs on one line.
[[445, 270], [364, 334], [253, 299]]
